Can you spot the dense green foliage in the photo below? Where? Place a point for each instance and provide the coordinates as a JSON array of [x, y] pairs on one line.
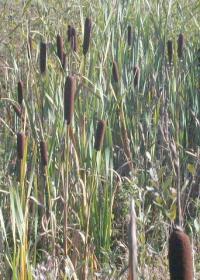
[[66, 217]]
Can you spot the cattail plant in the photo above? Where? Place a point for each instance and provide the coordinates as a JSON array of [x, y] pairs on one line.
[[170, 51], [17, 110], [136, 73], [20, 92], [69, 33], [132, 244], [43, 57], [64, 61], [99, 135], [20, 145], [69, 93], [180, 43], [43, 153], [115, 72], [129, 35], [180, 256], [87, 35], [59, 42], [73, 39]]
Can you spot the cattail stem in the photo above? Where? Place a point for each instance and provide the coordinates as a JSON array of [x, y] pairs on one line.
[[132, 244], [66, 188]]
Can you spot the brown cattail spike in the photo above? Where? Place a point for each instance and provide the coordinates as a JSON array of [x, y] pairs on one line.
[[170, 51], [43, 57], [180, 43], [64, 61], [99, 135], [44, 153], [115, 72], [69, 93], [20, 145], [59, 42], [129, 35], [136, 73], [20, 92], [87, 35], [73, 39], [69, 33], [180, 256]]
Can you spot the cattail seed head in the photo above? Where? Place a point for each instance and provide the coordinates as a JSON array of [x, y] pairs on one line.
[[43, 57], [20, 145], [115, 72], [170, 51], [64, 61], [136, 73], [87, 35], [69, 33], [100, 131], [59, 42], [129, 35], [20, 92], [69, 93], [180, 256], [44, 153], [73, 39], [180, 43]]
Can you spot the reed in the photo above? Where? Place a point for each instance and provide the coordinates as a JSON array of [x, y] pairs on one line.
[[180, 256], [69, 93], [87, 35], [43, 57], [99, 138]]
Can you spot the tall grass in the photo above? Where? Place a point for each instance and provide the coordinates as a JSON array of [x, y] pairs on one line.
[[64, 209]]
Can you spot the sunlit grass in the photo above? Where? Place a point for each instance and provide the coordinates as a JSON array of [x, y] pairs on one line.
[[71, 215]]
